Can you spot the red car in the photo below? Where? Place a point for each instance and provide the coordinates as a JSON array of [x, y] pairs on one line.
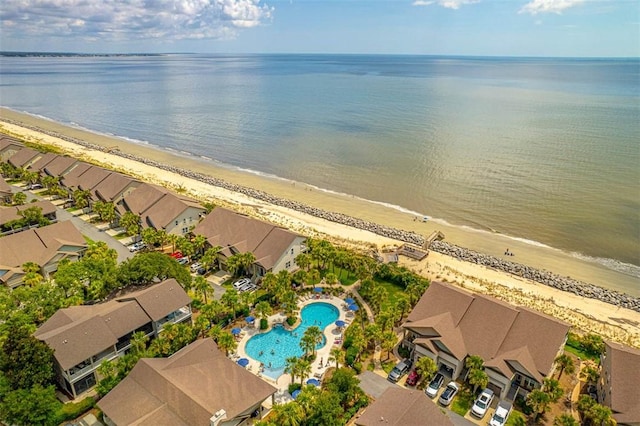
[[176, 255], [413, 378]]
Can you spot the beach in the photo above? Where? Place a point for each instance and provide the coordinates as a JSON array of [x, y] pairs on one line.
[[594, 315]]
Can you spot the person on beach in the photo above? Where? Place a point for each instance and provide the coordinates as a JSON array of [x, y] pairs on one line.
[[321, 359]]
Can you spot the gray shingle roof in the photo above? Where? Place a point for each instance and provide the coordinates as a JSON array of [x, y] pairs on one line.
[[624, 381]]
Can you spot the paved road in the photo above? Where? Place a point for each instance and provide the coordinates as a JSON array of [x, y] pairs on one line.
[[85, 228]]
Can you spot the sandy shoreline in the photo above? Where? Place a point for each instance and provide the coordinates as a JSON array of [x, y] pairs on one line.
[[538, 257]]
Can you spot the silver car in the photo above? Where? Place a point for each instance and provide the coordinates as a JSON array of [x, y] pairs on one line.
[[482, 403], [434, 385], [449, 392], [501, 414]]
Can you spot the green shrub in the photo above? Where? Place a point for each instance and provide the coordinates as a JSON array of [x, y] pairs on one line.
[[291, 320], [264, 324], [73, 410], [357, 366], [294, 387]]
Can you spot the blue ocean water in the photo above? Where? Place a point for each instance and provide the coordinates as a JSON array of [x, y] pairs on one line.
[[545, 150]]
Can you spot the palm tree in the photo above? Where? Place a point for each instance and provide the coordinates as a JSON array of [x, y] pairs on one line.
[[172, 238], [474, 362], [202, 286], [565, 363], [230, 299], [263, 309], [245, 261], [304, 369], [291, 367], [303, 260], [389, 340], [336, 354], [32, 275], [401, 307], [590, 374], [477, 379], [210, 257], [199, 242], [289, 414], [129, 221], [227, 342], [310, 339], [538, 401], [426, 367], [552, 388], [372, 334]]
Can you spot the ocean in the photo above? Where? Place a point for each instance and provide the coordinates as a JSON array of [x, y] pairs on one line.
[[543, 150]]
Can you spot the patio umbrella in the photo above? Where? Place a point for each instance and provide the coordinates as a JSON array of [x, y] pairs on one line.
[[243, 362], [249, 319], [340, 323], [349, 301], [295, 393], [235, 331], [317, 289], [313, 382], [353, 307]]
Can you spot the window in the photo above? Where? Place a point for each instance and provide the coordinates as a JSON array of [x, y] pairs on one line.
[[287, 265], [176, 223], [185, 230], [292, 251], [184, 221]]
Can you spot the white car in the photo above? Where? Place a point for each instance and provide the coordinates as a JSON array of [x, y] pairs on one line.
[[241, 282], [137, 246], [501, 414], [482, 403], [434, 385], [194, 267]]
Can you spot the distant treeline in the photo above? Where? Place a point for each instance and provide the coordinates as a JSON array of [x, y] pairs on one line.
[[69, 54]]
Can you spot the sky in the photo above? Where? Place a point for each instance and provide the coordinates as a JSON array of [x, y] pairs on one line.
[[577, 28]]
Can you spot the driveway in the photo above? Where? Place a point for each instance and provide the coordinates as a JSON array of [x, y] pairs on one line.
[[86, 228]]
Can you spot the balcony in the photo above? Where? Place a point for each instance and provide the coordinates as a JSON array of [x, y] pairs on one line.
[[175, 317]]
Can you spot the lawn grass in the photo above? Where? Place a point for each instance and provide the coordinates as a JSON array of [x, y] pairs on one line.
[[345, 276], [121, 236], [394, 291], [387, 366], [462, 403], [580, 353], [513, 418]]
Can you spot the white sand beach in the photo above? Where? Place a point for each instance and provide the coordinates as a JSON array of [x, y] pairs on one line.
[[618, 324]]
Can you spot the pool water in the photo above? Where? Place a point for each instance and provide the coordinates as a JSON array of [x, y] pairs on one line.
[[274, 347]]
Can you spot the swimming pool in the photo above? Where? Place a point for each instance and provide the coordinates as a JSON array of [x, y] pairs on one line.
[[273, 348]]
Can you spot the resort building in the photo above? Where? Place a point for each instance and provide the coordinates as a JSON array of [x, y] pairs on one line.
[[6, 194], [403, 407], [59, 166], [518, 345], [45, 246], [618, 387], [8, 147], [87, 179], [82, 337], [114, 188], [11, 213], [39, 165], [161, 209], [196, 386], [71, 180], [24, 157], [274, 248]]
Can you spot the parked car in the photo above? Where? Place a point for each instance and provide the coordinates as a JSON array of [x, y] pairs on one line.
[[137, 246], [482, 403], [195, 266], [201, 271], [449, 392], [434, 385], [35, 186], [501, 414], [413, 378], [183, 260], [399, 370], [241, 282], [176, 255]]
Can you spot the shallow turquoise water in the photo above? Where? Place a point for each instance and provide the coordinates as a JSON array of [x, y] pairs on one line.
[[274, 347]]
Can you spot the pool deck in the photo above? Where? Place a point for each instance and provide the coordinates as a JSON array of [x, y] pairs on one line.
[[331, 333]]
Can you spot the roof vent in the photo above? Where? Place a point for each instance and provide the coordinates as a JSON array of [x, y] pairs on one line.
[[65, 341], [217, 417]]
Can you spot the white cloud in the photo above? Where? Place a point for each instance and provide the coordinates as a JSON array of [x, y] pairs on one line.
[[450, 4], [548, 6], [133, 19]]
